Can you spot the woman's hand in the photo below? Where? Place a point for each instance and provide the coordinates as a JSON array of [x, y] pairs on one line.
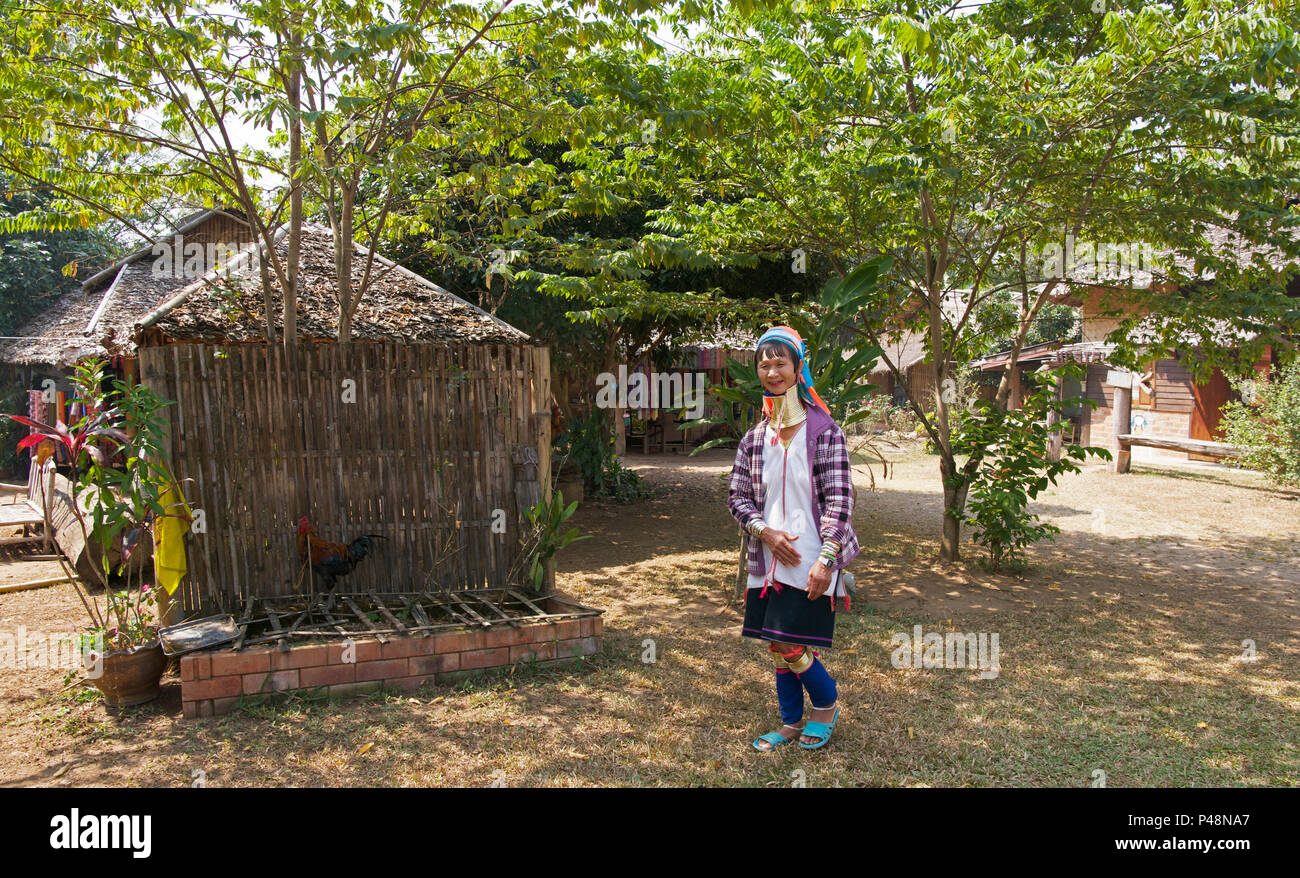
[[782, 546], [819, 579]]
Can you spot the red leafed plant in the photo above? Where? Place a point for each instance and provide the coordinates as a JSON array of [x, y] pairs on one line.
[[109, 502]]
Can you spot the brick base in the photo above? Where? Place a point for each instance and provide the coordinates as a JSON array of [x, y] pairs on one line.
[[1156, 423], [214, 682]]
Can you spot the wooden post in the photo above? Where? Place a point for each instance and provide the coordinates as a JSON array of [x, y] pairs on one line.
[[1120, 420], [620, 432], [1055, 440], [541, 403]]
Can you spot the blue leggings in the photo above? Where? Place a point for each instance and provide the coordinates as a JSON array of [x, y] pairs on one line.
[[790, 687]]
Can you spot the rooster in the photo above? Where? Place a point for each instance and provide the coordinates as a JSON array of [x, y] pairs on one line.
[[332, 560]]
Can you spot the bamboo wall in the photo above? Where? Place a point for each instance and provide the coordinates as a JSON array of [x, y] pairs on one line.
[[422, 447]]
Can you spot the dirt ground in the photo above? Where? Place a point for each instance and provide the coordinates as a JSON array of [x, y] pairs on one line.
[[1122, 652]]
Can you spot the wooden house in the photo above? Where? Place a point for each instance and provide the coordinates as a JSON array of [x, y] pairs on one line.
[[430, 429], [1166, 400]]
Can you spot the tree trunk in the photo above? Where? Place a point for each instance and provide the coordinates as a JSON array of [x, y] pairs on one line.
[[290, 319], [954, 507], [343, 267]]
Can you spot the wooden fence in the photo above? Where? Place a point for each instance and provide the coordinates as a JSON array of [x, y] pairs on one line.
[[436, 449]]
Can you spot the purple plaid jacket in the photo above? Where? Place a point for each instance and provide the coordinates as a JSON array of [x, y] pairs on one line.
[[832, 479]]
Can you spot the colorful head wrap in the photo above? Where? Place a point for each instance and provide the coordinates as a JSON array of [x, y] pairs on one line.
[[803, 376]]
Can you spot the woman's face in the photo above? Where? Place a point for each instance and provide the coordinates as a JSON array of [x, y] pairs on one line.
[[776, 372]]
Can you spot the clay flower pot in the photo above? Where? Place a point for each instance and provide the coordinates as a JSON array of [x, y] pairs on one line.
[[131, 676]]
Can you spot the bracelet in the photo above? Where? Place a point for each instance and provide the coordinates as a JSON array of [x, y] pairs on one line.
[[756, 527], [830, 548]]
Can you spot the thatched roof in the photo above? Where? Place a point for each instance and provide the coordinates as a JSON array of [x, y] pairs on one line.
[[904, 349], [69, 330], [108, 313], [399, 305]]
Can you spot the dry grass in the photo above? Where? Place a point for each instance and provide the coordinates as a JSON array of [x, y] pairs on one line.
[[1120, 651]]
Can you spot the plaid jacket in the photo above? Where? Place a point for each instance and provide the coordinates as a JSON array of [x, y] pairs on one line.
[[832, 480]]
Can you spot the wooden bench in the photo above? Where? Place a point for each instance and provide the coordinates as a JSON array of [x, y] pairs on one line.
[[24, 510]]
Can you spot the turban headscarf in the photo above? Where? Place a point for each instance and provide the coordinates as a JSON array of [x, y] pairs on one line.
[[803, 376]]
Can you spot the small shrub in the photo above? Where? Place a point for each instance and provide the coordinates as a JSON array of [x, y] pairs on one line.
[[1266, 424], [1013, 469]]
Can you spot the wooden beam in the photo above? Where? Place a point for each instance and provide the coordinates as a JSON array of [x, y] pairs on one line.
[[365, 620], [379, 604], [1170, 443], [418, 613], [513, 623], [470, 611], [35, 583]]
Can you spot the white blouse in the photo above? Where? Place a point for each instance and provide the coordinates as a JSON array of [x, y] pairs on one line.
[[790, 510]]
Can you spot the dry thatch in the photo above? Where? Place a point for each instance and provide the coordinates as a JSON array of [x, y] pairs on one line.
[[399, 305], [107, 314]]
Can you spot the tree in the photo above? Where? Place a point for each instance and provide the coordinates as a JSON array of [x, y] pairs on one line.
[[978, 158], [354, 104], [1266, 424]]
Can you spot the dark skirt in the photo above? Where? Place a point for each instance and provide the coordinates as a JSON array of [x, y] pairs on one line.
[[788, 617]]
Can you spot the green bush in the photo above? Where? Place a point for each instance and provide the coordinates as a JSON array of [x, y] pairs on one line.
[[1266, 424], [1013, 470], [588, 444]]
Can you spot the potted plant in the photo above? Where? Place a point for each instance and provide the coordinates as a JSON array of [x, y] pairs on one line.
[[119, 481]]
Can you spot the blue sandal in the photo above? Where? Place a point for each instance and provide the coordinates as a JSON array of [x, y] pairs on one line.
[[776, 739], [821, 731]]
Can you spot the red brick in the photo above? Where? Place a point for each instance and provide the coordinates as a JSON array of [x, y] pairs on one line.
[[532, 652], [484, 658], [217, 687], [277, 681], [300, 657], [223, 705], [504, 635], [598, 626], [203, 667], [539, 632], [405, 647], [327, 675], [188, 668], [433, 664], [365, 651], [205, 708], [452, 641], [190, 709], [577, 646], [588, 626], [229, 663], [408, 684], [344, 690], [381, 670], [569, 629]]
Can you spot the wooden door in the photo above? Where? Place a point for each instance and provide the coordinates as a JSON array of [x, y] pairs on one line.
[[1208, 411]]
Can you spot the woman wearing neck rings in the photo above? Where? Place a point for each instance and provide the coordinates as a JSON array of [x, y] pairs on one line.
[[792, 490]]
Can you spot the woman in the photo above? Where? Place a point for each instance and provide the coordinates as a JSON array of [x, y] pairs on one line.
[[792, 489]]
